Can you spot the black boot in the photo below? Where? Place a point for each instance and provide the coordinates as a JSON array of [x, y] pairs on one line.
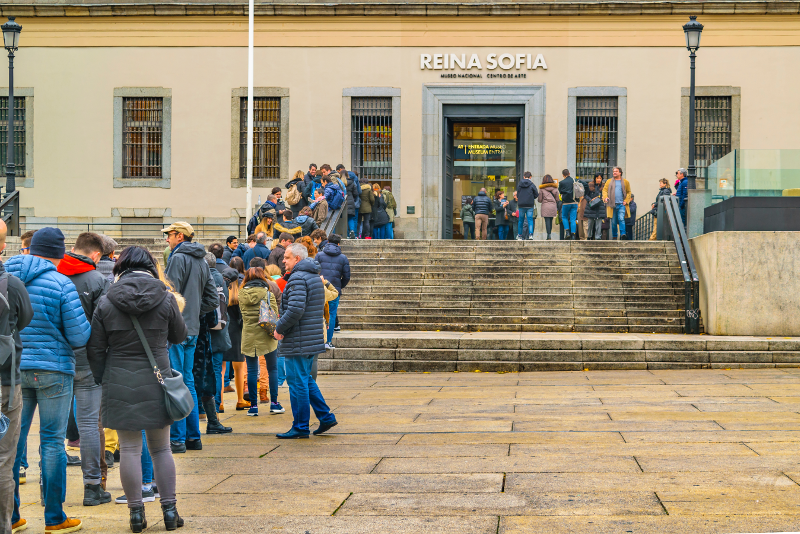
[[213, 426], [138, 520], [93, 495], [171, 518]]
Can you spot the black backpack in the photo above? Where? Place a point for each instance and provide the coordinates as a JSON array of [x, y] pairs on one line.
[[7, 345]]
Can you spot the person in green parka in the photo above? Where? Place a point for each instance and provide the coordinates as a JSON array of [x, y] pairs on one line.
[[468, 219]]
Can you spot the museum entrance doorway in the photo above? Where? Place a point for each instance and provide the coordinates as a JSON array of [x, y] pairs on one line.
[[483, 149]]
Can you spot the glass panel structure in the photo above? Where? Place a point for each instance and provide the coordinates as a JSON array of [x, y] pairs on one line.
[[484, 156]]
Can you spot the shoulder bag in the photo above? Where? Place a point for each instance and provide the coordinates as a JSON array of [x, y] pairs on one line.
[[267, 319], [177, 397]]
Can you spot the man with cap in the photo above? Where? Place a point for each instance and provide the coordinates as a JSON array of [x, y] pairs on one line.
[[682, 192], [59, 325], [191, 277]]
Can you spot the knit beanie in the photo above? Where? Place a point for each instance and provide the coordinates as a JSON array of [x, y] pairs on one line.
[[48, 243]]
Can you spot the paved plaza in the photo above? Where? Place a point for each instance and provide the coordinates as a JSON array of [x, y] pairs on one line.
[[481, 453]]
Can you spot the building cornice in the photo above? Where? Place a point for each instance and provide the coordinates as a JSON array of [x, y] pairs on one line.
[[408, 9]]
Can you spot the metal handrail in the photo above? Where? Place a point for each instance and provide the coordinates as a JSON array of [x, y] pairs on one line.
[[669, 210], [147, 229], [9, 207], [643, 227]]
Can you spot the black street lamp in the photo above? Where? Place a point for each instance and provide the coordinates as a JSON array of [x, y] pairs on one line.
[[11, 32], [692, 29]]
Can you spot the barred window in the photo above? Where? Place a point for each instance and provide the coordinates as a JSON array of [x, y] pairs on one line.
[[371, 148], [142, 129], [266, 137], [19, 133], [712, 131], [596, 135]]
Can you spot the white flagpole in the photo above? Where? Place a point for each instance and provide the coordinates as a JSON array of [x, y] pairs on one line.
[[249, 211]]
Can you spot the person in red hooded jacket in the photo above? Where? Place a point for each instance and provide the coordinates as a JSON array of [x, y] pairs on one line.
[[80, 266]]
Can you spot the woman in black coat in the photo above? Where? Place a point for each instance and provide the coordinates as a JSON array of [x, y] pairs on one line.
[[133, 399], [595, 210], [233, 355], [380, 216]]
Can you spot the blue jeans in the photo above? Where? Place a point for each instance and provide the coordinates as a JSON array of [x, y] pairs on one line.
[[216, 361], [181, 358], [379, 232], [303, 391], [569, 214], [52, 393], [333, 307], [352, 224], [228, 373], [389, 231], [618, 220], [253, 369], [502, 231], [147, 462], [281, 370], [523, 214]]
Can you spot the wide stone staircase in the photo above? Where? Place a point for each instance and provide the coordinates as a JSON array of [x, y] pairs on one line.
[[518, 286]]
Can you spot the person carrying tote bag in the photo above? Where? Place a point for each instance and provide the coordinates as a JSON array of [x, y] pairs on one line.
[[134, 398]]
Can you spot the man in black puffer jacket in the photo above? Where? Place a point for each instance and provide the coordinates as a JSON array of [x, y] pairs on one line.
[[483, 207], [299, 331], [335, 268]]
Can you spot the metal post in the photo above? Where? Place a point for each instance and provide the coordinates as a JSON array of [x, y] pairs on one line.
[[10, 166], [692, 177], [251, 22]]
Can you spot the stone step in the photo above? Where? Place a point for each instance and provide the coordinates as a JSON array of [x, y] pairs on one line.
[[427, 351]]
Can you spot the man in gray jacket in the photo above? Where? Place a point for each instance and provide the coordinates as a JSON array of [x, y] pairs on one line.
[[190, 275], [80, 266]]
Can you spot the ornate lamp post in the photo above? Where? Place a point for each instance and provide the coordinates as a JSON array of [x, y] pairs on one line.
[[11, 32], [692, 29]]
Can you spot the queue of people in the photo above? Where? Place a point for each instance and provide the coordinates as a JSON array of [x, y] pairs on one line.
[[97, 336], [593, 209]]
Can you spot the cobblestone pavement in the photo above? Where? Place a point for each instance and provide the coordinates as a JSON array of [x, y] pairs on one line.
[[474, 453]]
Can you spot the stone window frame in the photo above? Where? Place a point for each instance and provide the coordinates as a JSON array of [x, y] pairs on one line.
[[347, 130], [622, 121], [434, 96], [165, 182], [736, 117], [27, 94], [241, 92]]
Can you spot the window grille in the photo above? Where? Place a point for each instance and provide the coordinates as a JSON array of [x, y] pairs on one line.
[[372, 138], [266, 138], [596, 136], [142, 129], [19, 133], [712, 131]]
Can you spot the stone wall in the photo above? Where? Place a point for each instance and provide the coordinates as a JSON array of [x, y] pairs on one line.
[[749, 282]]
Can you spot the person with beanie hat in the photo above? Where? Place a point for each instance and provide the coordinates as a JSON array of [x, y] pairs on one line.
[[59, 325]]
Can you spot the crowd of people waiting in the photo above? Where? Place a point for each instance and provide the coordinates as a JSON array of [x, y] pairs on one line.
[[310, 197], [593, 209], [89, 338]]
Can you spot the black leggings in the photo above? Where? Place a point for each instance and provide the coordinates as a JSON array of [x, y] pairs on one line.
[[364, 220], [548, 225]]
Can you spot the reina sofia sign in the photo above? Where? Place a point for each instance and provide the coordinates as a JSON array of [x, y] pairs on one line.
[[493, 61]]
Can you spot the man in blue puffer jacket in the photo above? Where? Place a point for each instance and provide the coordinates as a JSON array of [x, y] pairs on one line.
[[299, 331], [335, 268], [48, 366]]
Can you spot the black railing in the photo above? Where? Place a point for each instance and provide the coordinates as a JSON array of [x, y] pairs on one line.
[[9, 207], [670, 226], [643, 228]]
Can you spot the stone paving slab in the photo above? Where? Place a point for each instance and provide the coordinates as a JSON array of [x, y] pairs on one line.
[[477, 453]]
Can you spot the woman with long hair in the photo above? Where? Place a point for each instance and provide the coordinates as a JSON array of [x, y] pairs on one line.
[[256, 342], [307, 242], [133, 399], [500, 220], [548, 198], [233, 356]]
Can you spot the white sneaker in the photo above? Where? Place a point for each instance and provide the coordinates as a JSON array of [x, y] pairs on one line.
[[530, 237], [519, 238], [329, 346]]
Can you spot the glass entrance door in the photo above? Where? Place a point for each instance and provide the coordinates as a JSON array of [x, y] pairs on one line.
[[484, 155]]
